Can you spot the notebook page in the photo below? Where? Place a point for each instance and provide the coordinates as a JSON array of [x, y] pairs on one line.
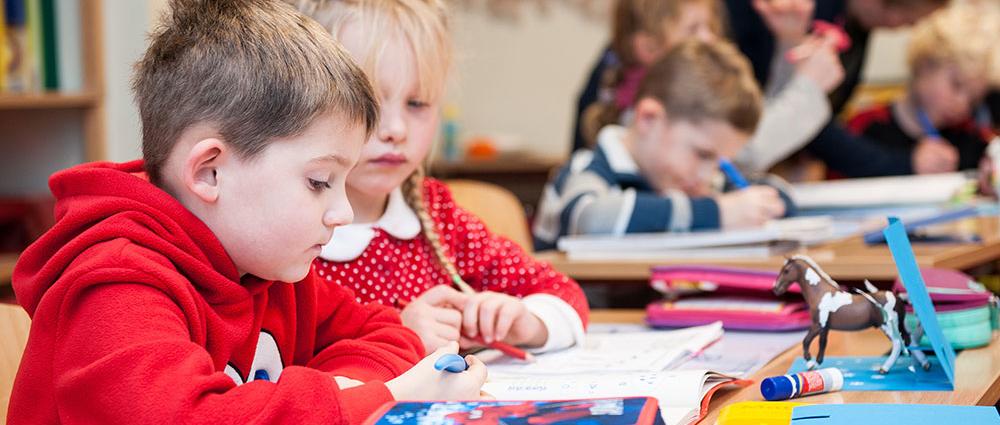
[[618, 352]]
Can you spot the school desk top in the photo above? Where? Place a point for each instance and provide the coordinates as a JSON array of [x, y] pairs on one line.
[[977, 371], [847, 259]]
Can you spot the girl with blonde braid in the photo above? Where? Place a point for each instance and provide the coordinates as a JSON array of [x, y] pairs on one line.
[[411, 246]]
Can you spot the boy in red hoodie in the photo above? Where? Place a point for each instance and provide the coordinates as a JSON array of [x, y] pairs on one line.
[[159, 294]]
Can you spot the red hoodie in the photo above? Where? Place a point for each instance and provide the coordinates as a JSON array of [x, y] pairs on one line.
[[138, 316]]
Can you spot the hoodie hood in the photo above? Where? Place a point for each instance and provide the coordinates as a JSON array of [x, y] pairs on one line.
[[101, 207]]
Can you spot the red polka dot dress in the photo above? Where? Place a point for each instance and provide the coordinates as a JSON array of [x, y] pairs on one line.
[[391, 260]]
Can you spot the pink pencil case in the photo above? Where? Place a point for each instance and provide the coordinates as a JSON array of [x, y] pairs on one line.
[[740, 298]]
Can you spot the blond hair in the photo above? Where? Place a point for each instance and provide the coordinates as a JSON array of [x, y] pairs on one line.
[[254, 68], [964, 35], [697, 81], [421, 23], [424, 25]]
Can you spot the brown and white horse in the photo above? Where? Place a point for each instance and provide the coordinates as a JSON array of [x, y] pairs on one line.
[[833, 308]]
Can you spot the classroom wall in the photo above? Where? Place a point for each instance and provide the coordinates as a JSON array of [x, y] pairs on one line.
[[126, 24], [516, 79]]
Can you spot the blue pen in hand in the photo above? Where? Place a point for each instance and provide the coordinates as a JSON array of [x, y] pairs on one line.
[[927, 126], [733, 174], [452, 363]]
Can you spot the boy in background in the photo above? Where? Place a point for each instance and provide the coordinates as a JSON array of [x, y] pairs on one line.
[[697, 104], [953, 59]]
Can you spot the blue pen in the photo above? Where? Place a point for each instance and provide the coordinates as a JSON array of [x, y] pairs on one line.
[[733, 174], [452, 363], [926, 125]]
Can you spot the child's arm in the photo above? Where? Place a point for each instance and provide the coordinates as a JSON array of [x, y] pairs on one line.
[[493, 263], [360, 341], [126, 353]]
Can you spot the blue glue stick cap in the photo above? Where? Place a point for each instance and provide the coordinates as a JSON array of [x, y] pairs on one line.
[[451, 363], [776, 388]]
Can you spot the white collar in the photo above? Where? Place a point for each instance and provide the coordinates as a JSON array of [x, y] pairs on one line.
[[348, 242], [610, 141]]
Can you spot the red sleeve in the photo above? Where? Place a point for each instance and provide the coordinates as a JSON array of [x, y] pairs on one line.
[[494, 263], [364, 342], [124, 354]]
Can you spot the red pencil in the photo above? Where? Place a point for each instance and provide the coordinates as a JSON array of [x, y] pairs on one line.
[[503, 347]]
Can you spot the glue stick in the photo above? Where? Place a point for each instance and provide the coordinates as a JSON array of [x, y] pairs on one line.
[[802, 384]]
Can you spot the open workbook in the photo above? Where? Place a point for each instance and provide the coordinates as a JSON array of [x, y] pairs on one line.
[[627, 364]]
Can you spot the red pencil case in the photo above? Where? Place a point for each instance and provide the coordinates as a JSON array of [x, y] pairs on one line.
[[740, 298]]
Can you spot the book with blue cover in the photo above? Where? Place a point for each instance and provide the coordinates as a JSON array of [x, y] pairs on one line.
[[604, 411]]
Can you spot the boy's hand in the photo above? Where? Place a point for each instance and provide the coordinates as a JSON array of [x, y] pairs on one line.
[[788, 20], [750, 207], [435, 316], [423, 382], [934, 155], [493, 316]]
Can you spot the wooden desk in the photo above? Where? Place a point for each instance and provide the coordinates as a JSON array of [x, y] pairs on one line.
[[14, 325], [848, 259], [977, 372]]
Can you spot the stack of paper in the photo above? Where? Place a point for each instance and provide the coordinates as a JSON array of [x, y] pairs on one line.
[[776, 238], [879, 191]]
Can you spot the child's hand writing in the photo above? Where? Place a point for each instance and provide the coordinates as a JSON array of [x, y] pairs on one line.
[[435, 316], [934, 155], [750, 207], [493, 316], [423, 382]]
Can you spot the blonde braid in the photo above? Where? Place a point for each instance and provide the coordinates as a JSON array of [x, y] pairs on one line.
[[413, 193]]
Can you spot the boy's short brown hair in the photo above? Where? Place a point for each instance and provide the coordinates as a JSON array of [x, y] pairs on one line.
[[698, 81], [256, 69]]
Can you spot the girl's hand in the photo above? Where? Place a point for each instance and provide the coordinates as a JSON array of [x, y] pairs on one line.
[[435, 316], [423, 382], [493, 316]]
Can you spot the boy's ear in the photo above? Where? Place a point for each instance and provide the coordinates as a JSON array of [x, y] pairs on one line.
[[648, 113], [646, 47], [200, 172]]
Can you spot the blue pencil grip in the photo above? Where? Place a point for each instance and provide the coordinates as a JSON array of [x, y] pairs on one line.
[[451, 363], [733, 174]]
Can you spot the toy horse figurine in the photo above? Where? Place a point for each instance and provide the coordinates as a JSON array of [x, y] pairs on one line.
[[832, 308]]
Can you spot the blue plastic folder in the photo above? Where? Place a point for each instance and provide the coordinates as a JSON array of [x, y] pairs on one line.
[[860, 373], [893, 414]]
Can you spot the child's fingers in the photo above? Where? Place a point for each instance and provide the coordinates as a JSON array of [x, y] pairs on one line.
[[470, 317], [505, 319], [477, 369], [447, 332], [488, 317], [447, 316], [443, 295]]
